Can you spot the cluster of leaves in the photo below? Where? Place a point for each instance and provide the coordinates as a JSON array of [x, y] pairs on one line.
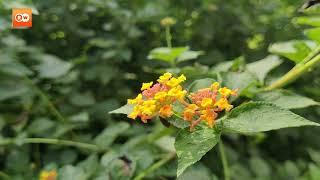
[[82, 59]]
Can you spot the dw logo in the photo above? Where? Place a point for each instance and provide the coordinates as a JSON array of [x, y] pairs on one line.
[[21, 18]]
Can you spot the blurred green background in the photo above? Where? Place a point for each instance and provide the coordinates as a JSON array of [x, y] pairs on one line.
[[84, 58]]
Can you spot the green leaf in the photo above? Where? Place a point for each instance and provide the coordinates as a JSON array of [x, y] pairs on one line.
[[200, 84], [189, 55], [238, 80], [52, 67], [10, 66], [126, 109], [11, 89], [167, 54], [313, 34], [41, 126], [285, 99], [256, 117], [71, 172], [307, 20], [262, 67], [109, 134], [295, 50], [191, 146]]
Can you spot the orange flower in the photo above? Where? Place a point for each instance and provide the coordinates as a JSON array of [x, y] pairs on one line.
[[166, 111], [209, 116]]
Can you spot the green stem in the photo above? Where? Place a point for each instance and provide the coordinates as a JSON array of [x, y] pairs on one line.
[[224, 161], [168, 36], [294, 73], [155, 166], [46, 100], [81, 145]]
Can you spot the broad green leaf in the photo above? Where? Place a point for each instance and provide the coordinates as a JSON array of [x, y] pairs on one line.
[[307, 20], [313, 34], [126, 109], [109, 134], [189, 55], [234, 65], [262, 67], [295, 50], [256, 117], [10, 66], [10, 89], [41, 126], [167, 54], [69, 172], [285, 99], [191, 146], [80, 117], [52, 67], [200, 84], [238, 80]]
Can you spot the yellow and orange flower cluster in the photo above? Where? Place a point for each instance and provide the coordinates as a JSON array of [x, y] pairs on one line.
[[157, 100], [207, 103], [48, 175]]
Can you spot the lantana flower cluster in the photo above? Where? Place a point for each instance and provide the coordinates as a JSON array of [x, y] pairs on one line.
[[158, 100]]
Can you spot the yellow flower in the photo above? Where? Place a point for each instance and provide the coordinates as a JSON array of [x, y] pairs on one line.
[[227, 92], [160, 96], [177, 92], [209, 116], [48, 175], [166, 111], [134, 114], [146, 85], [165, 77], [206, 102], [148, 107], [182, 78], [135, 100], [223, 103], [173, 82], [215, 86]]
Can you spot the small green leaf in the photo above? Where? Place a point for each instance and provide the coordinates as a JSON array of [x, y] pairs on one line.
[[167, 54], [256, 117], [307, 20], [285, 99], [191, 146], [10, 89], [238, 80], [126, 109], [313, 34], [189, 55], [295, 50], [109, 134], [262, 67], [52, 67]]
